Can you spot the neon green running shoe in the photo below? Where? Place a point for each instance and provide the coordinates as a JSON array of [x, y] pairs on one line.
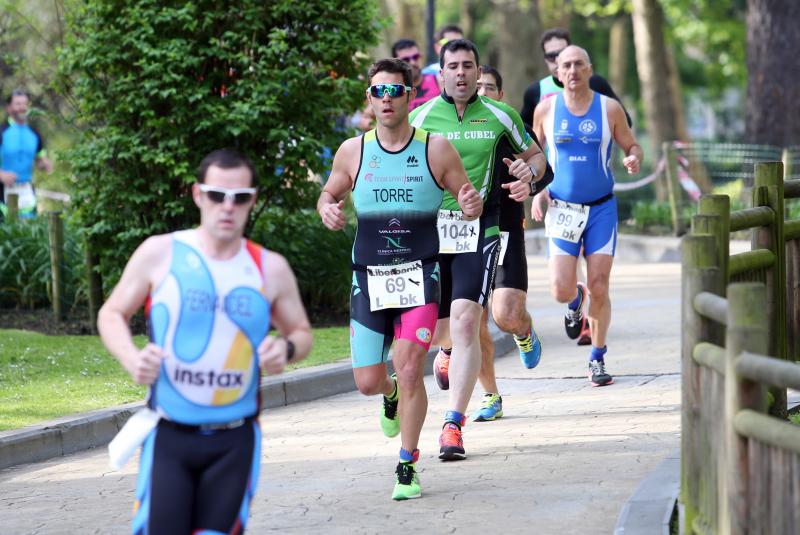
[[390, 419], [407, 486], [491, 408]]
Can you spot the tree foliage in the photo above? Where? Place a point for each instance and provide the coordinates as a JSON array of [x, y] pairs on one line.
[[161, 84]]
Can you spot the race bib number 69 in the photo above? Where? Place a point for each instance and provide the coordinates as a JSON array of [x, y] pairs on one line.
[[565, 220], [456, 235], [399, 286]]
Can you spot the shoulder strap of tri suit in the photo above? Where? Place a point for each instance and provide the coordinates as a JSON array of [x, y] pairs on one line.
[[257, 254]]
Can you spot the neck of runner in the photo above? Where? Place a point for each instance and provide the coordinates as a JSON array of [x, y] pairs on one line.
[[216, 248], [578, 100], [394, 138]]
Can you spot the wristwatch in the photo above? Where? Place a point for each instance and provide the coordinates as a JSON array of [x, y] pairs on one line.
[[289, 350]]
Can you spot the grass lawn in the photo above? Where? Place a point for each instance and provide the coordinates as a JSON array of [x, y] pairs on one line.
[[44, 377]]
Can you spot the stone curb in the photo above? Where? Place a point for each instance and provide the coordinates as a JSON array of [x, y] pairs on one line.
[[94, 429], [649, 510]]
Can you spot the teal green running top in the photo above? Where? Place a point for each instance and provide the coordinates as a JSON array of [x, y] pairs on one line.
[[397, 201], [477, 136]]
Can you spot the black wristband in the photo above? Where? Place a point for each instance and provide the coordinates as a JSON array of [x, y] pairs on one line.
[[289, 350]]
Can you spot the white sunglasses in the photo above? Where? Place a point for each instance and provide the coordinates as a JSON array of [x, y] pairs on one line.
[[219, 195]]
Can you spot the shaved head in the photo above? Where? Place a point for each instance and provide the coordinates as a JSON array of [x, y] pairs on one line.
[[571, 51]]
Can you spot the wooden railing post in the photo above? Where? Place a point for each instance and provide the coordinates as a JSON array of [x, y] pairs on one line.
[[673, 187], [56, 229], [720, 206], [747, 331], [95, 283], [700, 273], [769, 176], [12, 203]]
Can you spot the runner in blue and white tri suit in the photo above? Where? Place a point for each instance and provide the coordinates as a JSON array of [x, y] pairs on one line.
[[578, 127]]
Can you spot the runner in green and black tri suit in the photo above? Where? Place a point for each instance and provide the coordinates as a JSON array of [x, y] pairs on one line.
[[478, 127], [509, 294]]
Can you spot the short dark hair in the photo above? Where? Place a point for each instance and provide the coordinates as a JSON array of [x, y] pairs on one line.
[[226, 158], [401, 44], [459, 44], [447, 28], [391, 65], [555, 33], [488, 69], [18, 93]]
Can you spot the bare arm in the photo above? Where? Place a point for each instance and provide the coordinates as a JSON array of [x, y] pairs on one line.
[[624, 137], [446, 164], [127, 297], [288, 316], [330, 204]]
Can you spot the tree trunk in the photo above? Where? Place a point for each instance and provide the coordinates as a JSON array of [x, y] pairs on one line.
[[653, 66], [773, 67], [519, 24], [618, 55]]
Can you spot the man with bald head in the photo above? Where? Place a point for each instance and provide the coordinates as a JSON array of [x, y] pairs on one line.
[[578, 127]]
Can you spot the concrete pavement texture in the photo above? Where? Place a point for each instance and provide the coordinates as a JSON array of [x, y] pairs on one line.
[[563, 459]]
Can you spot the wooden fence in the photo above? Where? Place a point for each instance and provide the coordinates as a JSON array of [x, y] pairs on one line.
[[740, 459]]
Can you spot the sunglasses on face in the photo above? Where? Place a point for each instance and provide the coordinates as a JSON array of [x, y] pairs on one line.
[[551, 56], [412, 57], [218, 195], [393, 90]]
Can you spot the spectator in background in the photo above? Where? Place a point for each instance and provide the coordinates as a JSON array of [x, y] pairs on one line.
[[20, 148]]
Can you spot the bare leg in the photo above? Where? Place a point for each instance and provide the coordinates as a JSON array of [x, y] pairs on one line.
[[598, 273], [486, 376], [408, 359], [465, 361]]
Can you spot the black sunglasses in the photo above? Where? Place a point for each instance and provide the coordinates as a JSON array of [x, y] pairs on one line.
[[551, 56], [412, 57]]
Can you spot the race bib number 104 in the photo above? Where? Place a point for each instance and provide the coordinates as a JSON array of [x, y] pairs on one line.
[[456, 235], [565, 220], [399, 286]]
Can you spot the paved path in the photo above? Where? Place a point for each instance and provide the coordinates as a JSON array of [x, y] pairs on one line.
[[564, 459]]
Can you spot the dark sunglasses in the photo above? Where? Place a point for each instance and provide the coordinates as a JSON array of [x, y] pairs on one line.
[[412, 57], [218, 195], [551, 56], [393, 90]]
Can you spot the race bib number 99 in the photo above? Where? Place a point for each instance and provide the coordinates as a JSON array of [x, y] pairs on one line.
[[456, 235], [399, 286], [565, 220]]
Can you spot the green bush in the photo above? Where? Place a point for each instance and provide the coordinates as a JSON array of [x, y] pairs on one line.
[[319, 257], [160, 84], [649, 214], [25, 274]]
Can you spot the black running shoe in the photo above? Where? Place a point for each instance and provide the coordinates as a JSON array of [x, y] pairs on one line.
[[598, 374], [573, 319]]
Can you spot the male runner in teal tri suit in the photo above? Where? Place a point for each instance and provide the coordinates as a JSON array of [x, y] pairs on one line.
[[477, 127], [397, 175]]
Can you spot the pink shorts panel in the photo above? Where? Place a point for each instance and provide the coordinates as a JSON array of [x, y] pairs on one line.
[[417, 325]]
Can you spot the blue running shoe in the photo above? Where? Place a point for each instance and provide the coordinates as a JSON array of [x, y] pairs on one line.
[[530, 349], [491, 408]]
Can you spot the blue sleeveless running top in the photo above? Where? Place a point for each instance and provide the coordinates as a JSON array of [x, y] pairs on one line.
[[209, 316], [19, 146], [397, 201], [581, 151]]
